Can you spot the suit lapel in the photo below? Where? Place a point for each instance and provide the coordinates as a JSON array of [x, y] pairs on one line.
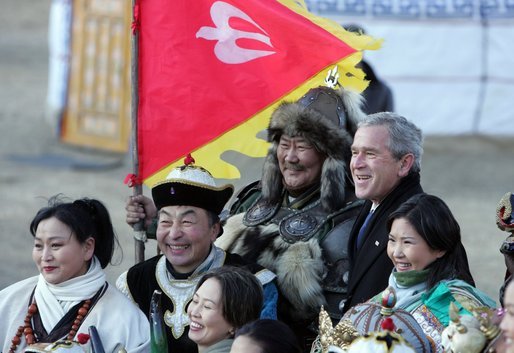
[[372, 247]]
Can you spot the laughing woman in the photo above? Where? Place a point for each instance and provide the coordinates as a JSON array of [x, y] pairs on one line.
[[430, 264], [225, 299], [73, 243]]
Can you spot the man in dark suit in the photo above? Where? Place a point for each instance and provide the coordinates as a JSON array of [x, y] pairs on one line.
[[385, 166]]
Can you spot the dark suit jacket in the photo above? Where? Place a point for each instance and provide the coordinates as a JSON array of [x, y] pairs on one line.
[[370, 266]]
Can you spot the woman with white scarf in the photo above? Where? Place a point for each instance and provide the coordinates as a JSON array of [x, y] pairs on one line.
[[73, 243]]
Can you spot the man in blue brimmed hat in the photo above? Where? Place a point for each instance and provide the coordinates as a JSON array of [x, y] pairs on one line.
[[188, 203]]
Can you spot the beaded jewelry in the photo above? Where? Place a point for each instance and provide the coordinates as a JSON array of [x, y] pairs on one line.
[[27, 330]]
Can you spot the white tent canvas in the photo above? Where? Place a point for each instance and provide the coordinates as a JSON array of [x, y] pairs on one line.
[[450, 63]]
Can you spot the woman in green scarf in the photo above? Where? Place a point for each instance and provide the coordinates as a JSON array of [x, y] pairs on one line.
[[430, 264]]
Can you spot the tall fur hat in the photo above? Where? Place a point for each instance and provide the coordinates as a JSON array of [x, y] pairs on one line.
[[328, 119]]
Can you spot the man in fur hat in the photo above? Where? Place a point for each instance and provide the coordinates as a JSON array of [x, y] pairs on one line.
[[296, 220], [188, 204]]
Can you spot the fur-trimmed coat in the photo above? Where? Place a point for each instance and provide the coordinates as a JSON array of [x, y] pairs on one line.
[[310, 272]]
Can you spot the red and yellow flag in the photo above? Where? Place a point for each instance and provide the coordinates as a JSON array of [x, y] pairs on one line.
[[211, 72]]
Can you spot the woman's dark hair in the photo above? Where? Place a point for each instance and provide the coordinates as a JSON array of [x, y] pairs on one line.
[[241, 294], [86, 218], [433, 220], [272, 336]]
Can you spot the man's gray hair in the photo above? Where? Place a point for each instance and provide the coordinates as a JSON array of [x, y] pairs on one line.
[[404, 136]]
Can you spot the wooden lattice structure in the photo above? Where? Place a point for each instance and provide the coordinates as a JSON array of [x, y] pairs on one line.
[[98, 111]]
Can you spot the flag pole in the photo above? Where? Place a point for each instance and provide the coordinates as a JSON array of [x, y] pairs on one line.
[[139, 232]]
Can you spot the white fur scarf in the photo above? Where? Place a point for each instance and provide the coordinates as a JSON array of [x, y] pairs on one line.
[[54, 300]]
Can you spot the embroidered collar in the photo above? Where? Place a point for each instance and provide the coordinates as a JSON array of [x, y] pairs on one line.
[[180, 291]]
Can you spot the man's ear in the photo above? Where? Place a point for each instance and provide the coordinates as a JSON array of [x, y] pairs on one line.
[[215, 231], [406, 163]]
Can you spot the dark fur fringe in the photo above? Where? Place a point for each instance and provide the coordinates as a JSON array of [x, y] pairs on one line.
[[271, 177], [353, 102], [333, 183]]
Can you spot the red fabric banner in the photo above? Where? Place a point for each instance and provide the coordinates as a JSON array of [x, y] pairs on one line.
[[206, 67]]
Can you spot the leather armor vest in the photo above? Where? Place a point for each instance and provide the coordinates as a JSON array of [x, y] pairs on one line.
[[332, 231]]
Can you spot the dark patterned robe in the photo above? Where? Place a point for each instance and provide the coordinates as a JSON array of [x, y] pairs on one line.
[[140, 281]]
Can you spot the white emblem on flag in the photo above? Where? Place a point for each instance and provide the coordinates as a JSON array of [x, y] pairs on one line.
[[227, 50]]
